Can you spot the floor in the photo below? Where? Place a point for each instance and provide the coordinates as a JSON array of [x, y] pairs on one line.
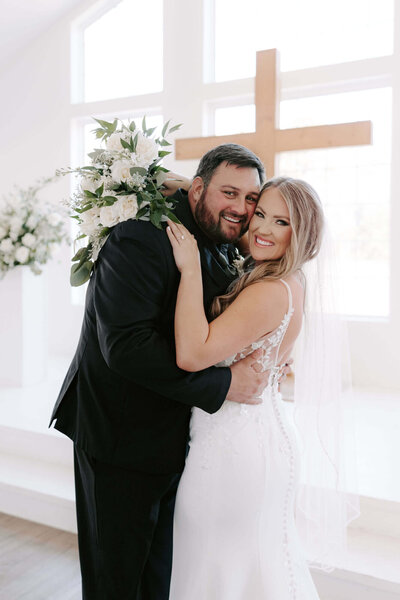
[[37, 562]]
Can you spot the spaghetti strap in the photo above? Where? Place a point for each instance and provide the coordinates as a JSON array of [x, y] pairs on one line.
[[289, 294]]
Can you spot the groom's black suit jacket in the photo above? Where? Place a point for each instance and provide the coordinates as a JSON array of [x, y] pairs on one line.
[[124, 400]]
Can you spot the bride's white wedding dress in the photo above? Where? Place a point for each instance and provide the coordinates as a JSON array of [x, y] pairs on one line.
[[234, 533]]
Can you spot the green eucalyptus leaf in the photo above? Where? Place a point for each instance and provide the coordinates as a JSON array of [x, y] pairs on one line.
[[163, 153], [127, 145], [150, 131], [105, 124], [93, 155], [82, 254], [100, 190], [165, 143], [172, 216], [139, 170], [175, 127], [164, 129], [86, 207], [80, 273], [144, 124], [155, 217], [132, 126], [142, 212], [89, 194]]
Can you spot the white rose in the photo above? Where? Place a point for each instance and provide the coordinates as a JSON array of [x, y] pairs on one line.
[[29, 240], [3, 232], [120, 170], [89, 184], [6, 246], [146, 151], [22, 254], [90, 221], [54, 219], [161, 177], [109, 215], [127, 207], [113, 143]]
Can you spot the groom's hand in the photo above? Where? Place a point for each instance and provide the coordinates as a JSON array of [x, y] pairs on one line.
[[248, 383]]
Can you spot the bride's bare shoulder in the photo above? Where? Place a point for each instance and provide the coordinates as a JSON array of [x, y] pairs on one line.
[[265, 294], [271, 296]]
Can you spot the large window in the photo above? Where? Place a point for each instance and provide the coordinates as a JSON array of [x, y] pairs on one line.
[[353, 182], [123, 51], [309, 33], [354, 185], [148, 58]]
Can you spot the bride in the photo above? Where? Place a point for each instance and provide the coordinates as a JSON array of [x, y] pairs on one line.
[[234, 535]]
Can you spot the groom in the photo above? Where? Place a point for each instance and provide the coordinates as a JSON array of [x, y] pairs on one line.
[[125, 403]]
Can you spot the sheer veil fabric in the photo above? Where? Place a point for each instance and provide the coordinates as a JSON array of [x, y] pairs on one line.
[[327, 499]]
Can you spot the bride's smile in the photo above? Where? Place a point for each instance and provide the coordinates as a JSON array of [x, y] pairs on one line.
[[270, 230]]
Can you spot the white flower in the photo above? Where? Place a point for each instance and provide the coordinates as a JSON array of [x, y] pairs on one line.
[[54, 219], [42, 253], [113, 143], [16, 224], [161, 177], [22, 254], [108, 182], [90, 221], [137, 181], [29, 240], [32, 222], [127, 207], [3, 232], [120, 170], [6, 245], [146, 151], [89, 184], [109, 215]]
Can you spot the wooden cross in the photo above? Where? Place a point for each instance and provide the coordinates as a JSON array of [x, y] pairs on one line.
[[268, 140]]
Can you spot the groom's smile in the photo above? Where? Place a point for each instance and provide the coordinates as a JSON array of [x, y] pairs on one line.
[[224, 208]]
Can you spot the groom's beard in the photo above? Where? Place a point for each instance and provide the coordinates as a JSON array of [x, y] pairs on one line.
[[218, 229]]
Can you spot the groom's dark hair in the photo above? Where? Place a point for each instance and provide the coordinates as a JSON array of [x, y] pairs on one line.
[[233, 154]]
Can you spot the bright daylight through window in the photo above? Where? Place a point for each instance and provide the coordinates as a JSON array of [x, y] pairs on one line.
[[354, 182], [328, 32], [119, 57]]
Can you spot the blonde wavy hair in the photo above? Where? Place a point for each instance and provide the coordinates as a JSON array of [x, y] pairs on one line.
[[307, 222]]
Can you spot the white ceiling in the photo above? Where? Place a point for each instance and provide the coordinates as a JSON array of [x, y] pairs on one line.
[[22, 21]]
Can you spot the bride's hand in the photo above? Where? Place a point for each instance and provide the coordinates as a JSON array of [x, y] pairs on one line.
[[173, 182], [184, 247]]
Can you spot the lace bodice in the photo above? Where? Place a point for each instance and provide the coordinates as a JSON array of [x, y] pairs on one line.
[[270, 344]]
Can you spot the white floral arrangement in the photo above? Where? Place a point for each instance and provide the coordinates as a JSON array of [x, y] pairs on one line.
[[30, 229], [124, 181]]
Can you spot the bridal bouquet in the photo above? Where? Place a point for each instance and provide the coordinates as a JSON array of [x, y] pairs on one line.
[[123, 181], [29, 229]]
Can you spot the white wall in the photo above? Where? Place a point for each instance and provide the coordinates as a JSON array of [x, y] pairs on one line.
[[35, 113], [35, 138]]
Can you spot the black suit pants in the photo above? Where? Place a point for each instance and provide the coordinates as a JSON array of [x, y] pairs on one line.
[[125, 524]]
